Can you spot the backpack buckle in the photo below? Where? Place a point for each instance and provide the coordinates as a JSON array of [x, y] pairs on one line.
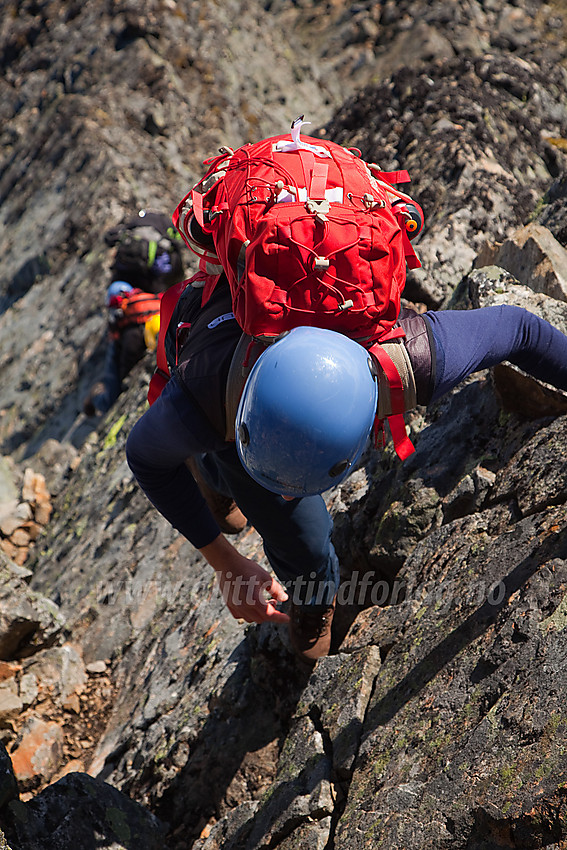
[[320, 208], [321, 263]]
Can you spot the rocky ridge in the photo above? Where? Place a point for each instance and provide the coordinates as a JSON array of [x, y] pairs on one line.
[[438, 721]]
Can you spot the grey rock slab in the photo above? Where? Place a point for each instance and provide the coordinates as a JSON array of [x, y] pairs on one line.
[[336, 697], [28, 620], [319, 751], [492, 286], [302, 790], [8, 490], [60, 668], [79, 811], [230, 832], [535, 257], [541, 481], [11, 704], [468, 693], [308, 836]]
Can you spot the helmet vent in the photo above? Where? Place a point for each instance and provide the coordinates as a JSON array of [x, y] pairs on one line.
[[243, 434], [339, 468], [372, 367]]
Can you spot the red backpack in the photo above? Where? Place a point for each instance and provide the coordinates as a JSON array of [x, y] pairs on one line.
[[307, 234], [134, 307]]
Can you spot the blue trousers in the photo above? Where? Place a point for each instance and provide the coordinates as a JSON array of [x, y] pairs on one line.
[[469, 340], [297, 534]]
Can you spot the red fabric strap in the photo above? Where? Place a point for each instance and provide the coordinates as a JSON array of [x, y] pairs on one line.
[[157, 385], [318, 180], [211, 282], [412, 259], [315, 172], [197, 200], [392, 177], [161, 375], [402, 443], [394, 380]]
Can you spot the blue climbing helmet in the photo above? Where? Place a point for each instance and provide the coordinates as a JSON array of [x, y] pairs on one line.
[[306, 412], [116, 290]]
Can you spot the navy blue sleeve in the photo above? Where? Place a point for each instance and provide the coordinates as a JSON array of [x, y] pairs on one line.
[[160, 442], [466, 341]]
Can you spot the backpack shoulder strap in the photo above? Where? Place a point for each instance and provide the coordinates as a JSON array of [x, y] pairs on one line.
[[245, 355], [161, 375], [169, 301]]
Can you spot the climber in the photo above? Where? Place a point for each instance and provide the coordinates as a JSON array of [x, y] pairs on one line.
[[302, 242], [147, 261], [304, 417]]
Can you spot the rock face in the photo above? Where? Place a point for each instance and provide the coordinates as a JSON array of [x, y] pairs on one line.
[[21, 522], [133, 710]]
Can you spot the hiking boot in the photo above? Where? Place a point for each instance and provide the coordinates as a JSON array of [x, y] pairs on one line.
[[310, 630], [228, 515]]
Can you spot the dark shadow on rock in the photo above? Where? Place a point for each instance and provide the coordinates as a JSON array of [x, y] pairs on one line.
[[79, 427], [301, 800], [280, 815], [469, 630], [541, 827], [347, 611], [234, 756], [23, 280], [522, 395]]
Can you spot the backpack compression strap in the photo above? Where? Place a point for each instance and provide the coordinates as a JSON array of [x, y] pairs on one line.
[[403, 208]]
